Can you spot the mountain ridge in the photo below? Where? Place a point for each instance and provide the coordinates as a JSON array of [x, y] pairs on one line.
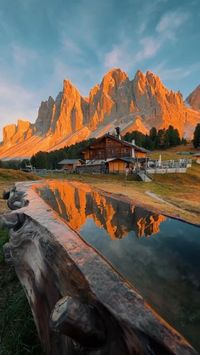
[[136, 104]]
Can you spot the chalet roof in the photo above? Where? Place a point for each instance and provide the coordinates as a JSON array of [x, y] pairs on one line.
[[69, 161], [108, 135]]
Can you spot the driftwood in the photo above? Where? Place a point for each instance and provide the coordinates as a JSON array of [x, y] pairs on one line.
[[80, 304]]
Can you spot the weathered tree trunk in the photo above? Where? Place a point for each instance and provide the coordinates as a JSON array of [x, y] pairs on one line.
[[80, 304]]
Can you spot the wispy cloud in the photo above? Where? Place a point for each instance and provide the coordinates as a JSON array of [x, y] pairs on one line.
[[175, 73], [117, 56], [171, 22], [16, 102], [23, 56], [123, 54], [71, 46], [149, 48]]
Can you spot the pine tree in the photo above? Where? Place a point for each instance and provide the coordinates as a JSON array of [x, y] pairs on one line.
[[196, 139]]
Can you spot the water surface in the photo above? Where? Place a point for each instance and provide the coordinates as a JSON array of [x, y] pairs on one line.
[[160, 256]]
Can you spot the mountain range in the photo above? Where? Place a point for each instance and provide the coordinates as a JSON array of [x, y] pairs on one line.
[[137, 104]]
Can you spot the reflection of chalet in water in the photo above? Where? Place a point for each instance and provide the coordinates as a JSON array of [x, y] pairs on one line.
[[113, 154]]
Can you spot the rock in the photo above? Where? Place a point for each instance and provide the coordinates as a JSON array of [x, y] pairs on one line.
[[45, 116], [13, 134]]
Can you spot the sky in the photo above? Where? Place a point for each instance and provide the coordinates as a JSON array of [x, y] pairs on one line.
[[43, 42]]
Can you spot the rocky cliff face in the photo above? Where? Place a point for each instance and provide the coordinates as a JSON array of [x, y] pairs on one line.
[[194, 99], [139, 104], [13, 134]]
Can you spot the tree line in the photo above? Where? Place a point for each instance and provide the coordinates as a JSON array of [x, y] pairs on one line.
[[50, 160], [156, 139]]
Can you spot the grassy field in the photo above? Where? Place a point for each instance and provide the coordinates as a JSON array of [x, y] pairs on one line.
[[17, 329]]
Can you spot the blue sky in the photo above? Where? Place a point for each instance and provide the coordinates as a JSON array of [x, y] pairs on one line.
[[44, 41]]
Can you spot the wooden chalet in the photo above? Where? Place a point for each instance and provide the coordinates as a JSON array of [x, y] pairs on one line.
[[112, 154], [109, 146]]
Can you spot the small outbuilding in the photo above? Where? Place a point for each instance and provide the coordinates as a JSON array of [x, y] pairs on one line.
[[70, 164], [126, 164]]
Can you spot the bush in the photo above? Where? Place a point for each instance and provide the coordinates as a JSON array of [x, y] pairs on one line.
[[196, 139]]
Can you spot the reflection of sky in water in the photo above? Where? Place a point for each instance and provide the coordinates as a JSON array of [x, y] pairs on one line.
[[164, 267]]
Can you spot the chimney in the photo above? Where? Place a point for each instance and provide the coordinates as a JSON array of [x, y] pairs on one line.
[[133, 141], [118, 132]]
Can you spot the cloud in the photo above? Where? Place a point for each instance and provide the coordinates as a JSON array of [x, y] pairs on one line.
[[16, 102], [117, 56], [171, 22], [69, 45], [123, 53], [149, 48], [23, 56], [142, 27], [82, 79], [176, 73]]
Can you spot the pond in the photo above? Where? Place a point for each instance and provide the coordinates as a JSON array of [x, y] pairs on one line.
[[160, 256]]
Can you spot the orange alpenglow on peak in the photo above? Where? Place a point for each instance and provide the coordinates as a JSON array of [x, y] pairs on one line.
[[139, 104]]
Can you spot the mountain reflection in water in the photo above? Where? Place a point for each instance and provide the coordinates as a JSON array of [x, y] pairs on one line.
[[160, 256], [77, 202]]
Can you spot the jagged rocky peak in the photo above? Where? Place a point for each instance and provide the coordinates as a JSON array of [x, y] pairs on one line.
[[194, 98], [69, 89], [150, 86], [8, 132], [16, 132], [45, 113], [94, 91], [149, 79], [113, 78], [139, 76], [70, 117]]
